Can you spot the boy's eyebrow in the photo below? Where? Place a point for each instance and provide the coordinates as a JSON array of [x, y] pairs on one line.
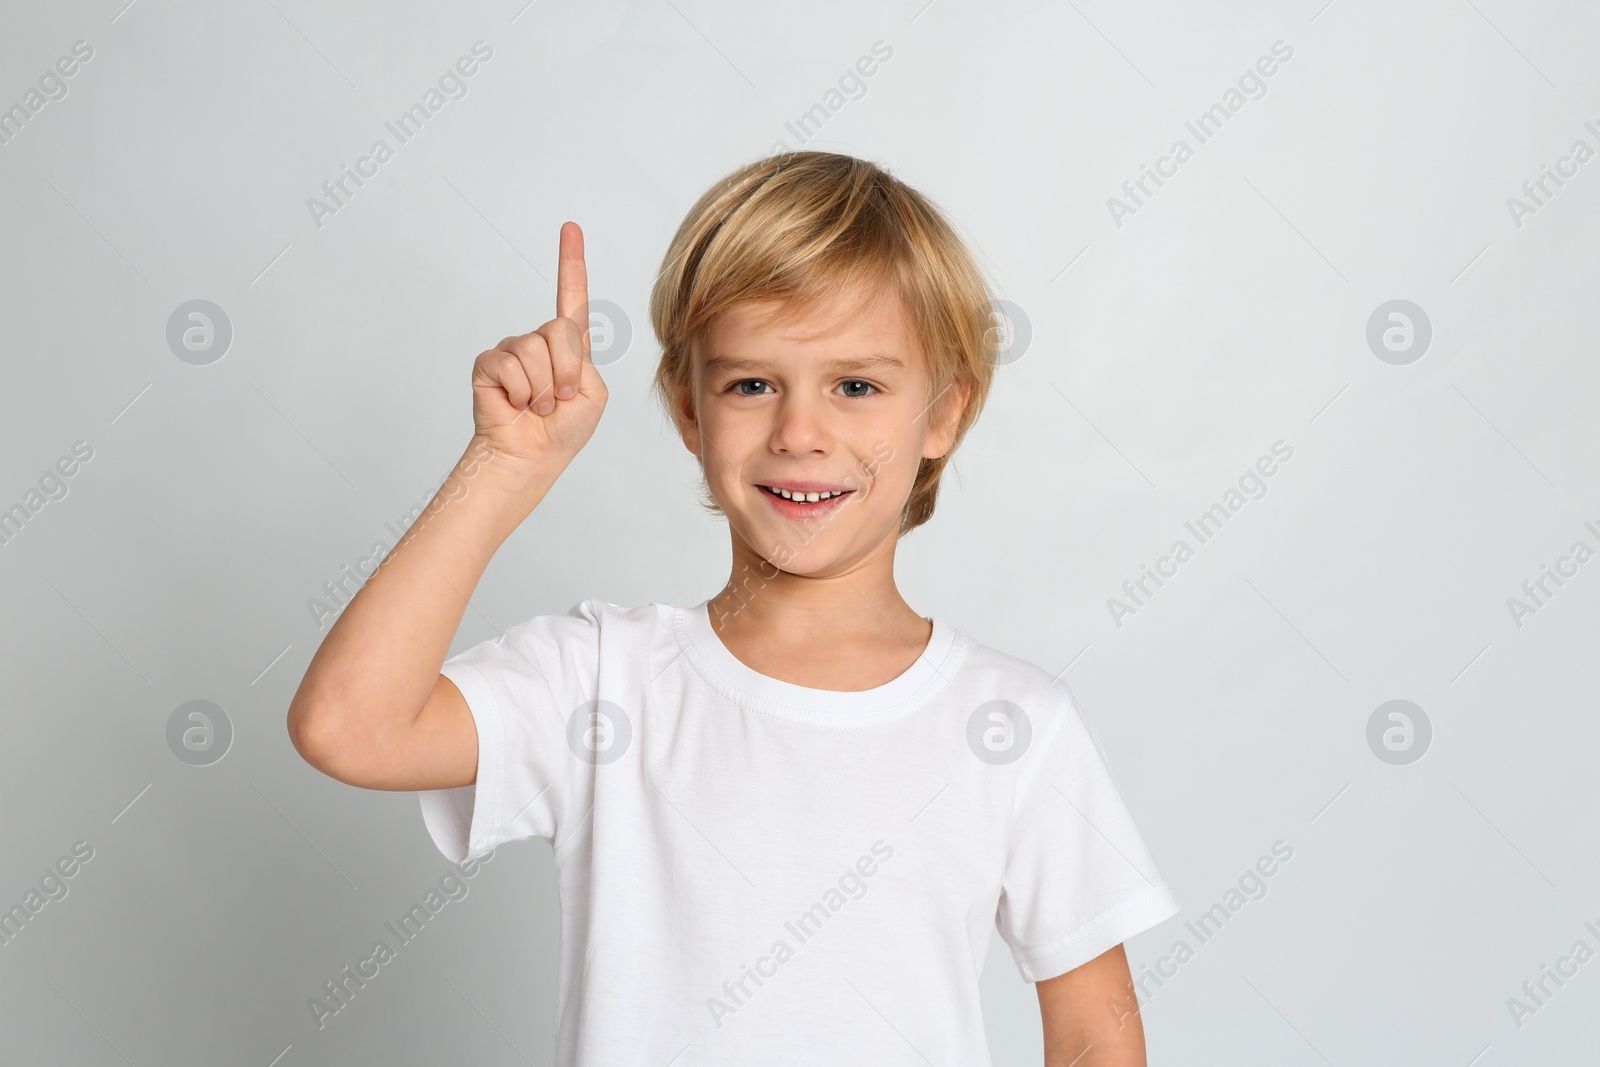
[[871, 362]]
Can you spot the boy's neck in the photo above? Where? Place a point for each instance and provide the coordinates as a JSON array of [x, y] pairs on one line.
[[841, 633], [800, 611]]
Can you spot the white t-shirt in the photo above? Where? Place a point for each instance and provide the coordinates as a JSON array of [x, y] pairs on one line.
[[757, 872]]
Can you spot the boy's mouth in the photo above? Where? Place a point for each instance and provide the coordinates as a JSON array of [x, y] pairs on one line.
[[800, 498]]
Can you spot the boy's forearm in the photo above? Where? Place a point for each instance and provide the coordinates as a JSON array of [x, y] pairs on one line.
[[379, 662]]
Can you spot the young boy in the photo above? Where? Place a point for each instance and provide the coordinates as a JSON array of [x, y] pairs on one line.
[[786, 818]]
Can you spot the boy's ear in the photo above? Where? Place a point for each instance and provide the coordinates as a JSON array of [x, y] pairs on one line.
[[683, 417], [944, 418]]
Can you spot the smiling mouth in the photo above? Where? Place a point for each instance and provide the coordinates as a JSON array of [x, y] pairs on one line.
[[796, 499]]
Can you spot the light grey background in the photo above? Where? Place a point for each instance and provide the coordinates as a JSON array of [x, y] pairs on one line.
[[1167, 354]]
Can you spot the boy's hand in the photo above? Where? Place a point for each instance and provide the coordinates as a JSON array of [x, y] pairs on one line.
[[517, 402]]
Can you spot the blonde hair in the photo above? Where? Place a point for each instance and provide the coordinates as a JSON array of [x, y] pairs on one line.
[[801, 226]]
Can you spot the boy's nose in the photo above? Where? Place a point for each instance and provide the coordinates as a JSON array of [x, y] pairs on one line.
[[801, 425]]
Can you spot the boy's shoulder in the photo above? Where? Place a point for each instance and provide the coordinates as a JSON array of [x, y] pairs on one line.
[[1001, 664], [1019, 681], [602, 611], [580, 628], [595, 612]]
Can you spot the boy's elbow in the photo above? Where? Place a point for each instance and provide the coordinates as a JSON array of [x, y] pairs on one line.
[[312, 733], [346, 748]]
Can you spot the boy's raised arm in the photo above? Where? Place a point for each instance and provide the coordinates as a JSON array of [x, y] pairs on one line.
[[373, 709]]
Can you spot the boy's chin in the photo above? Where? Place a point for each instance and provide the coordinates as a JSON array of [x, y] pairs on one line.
[[804, 554]]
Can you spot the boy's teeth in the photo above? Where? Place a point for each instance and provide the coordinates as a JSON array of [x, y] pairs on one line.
[[809, 498]]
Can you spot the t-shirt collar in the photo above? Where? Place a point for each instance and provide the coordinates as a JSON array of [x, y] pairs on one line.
[[800, 702]]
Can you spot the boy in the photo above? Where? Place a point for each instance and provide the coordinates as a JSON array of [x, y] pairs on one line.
[[783, 819]]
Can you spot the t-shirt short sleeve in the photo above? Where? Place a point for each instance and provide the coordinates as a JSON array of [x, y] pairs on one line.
[[522, 688], [1078, 878]]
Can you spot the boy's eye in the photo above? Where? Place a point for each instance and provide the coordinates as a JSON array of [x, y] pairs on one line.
[[850, 384]]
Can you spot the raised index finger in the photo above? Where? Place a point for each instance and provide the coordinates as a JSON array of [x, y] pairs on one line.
[[572, 278]]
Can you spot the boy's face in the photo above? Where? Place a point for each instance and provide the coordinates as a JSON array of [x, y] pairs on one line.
[[838, 398]]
